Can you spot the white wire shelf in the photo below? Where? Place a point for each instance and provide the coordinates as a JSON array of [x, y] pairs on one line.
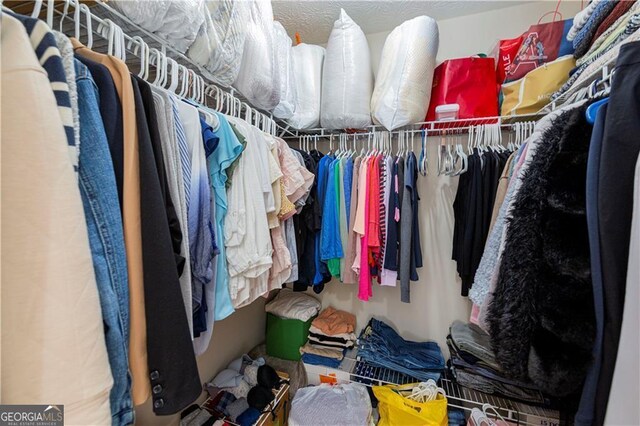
[[431, 127], [458, 396]]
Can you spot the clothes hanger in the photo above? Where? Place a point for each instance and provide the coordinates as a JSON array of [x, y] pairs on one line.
[[144, 55], [89, 24], [37, 6], [592, 110], [50, 8], [422, 161], [441, 152], [64, 14]]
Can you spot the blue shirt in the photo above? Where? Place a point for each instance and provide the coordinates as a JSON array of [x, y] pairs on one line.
[[330, 245], [322, 177], [348, 179], [210, 141], [209, 137], [227, 151]]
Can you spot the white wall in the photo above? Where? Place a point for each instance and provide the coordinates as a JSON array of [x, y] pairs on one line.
[[233, 336], [435, 298], [472, 34]]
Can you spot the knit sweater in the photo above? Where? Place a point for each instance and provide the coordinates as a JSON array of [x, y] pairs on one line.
[[583, 39], [581, 18]]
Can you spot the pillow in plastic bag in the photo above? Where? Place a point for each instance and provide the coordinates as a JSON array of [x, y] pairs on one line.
[[220, 41], [307, 67], [258, 79], [175, 21], [403, 84], [286, 107], [347, 78]]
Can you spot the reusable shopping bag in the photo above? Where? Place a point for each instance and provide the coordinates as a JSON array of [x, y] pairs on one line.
[[541, 43], [504, 53], [533, 91], [469, 82], [396, 410]]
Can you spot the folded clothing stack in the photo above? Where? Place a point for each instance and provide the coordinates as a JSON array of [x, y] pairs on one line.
[[474, 366], [381, 346], [330, 335]]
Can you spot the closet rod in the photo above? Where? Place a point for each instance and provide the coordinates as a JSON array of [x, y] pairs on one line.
[[431, 127], [134, 34], [444, 131]]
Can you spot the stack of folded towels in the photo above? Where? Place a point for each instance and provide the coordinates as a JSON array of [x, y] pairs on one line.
[[330, 335]]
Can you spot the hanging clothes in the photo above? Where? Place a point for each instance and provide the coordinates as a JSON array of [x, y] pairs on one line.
[[219, 163], [543, 298], [41, 279], [615, 206], [106, 240], [169, 346], [131, 221]]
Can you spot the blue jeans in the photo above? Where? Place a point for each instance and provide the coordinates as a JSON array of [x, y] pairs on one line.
[[102, 212], [383, 347]]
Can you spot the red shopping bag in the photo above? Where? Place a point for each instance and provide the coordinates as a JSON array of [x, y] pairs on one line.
[[468, 82], [504, 54], [541, 43]]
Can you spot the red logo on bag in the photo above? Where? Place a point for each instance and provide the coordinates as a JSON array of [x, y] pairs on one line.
[[531, 54]]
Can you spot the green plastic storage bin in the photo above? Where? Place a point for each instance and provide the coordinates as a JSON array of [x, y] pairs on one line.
[[286, 336]]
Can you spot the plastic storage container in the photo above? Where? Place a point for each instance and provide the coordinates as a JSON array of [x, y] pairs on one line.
[[286, 336], [447, 112]]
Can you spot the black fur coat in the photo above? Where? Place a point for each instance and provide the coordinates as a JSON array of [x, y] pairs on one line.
[[541, 319]]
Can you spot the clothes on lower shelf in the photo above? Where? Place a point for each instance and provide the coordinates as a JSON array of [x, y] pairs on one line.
[[473, 364], [330, 335], [381, 346]]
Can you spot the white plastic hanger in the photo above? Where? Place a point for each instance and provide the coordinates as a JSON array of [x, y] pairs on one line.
[[65, 11], [37, 6], [50, 8], [89, 24]]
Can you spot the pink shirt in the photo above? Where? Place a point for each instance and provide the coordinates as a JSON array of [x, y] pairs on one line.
[[364, 288]]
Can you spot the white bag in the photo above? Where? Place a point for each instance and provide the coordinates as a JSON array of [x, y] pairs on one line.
[[286, 107], [220, 41], [347, 78], [403, 84], [307, 67], [342, 404], [258, 79], [176, 22]]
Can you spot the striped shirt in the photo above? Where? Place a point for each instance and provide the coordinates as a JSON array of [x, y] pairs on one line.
[[185, 156], [382, 211], [48, 54]]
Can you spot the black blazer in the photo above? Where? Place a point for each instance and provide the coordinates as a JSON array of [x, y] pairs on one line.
[[175, 382]]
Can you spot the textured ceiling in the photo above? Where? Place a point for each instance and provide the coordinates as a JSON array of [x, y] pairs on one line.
[[313, 19]]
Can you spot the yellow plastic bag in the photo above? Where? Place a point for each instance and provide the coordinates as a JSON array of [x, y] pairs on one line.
[[396, 410], [533, 91]]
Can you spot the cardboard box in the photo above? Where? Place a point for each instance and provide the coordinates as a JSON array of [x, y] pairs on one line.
[[279, 415], [317, 374]]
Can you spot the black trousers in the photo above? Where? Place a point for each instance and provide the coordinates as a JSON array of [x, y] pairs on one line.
[[620, 147]]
